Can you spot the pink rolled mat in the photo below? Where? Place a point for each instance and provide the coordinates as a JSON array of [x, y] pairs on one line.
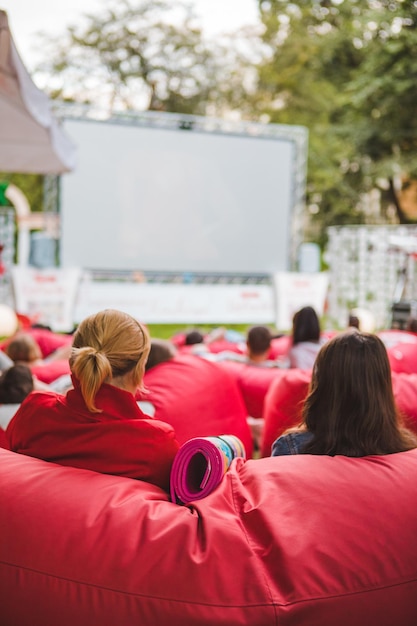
[[200, 465]]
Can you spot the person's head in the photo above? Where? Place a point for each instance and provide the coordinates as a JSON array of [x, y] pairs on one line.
[[192, 337], [350, 408], [23, 348], [108, 345], [305, 326], [353, 321], [258, 342], [161, 350], [366, 319], [15, 384]]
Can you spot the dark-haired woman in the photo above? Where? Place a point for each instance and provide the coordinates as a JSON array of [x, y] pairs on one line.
[[306, 339], [350, 408]]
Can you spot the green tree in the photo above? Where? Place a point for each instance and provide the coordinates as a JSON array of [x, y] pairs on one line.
[[138, 54], [384, 96], [344, 69]]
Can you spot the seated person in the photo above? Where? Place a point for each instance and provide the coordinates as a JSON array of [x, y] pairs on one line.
[[258, 344], [306, 339], [15, 384], [98, 425], [350, 408], [23, 348], [353, 321], [161, 350], [193, 337], [256, 350]]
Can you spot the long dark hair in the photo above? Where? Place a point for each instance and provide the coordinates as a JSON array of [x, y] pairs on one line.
[[305, 326], [350, 408]]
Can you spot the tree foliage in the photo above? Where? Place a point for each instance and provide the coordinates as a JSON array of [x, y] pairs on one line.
[[346, 70], [138, 54]]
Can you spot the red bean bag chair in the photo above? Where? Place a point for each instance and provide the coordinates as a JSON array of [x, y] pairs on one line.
[[295, 541], [49, 371], [405, 393], [198, 398], [402, 350], [223, 345], [254, 383], [403, 358], [283, 404], [47, 340], [280, 346], [219, 345]]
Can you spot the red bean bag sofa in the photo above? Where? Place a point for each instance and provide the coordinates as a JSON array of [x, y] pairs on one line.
[[289, 541], [198, 398]]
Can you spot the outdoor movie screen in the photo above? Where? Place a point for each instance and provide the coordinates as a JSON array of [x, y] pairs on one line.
[[157, 199]]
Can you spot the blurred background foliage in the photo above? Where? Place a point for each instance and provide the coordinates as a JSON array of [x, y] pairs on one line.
[[345, 69]]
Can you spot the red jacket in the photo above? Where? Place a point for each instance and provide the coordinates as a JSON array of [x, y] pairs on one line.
[[121, 440]]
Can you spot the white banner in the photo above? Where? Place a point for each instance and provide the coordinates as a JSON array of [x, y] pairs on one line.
[[186, 304], [61, 298], [295, 290], [46, 295]]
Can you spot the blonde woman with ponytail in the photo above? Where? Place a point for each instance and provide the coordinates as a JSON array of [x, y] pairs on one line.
[[98, 425]]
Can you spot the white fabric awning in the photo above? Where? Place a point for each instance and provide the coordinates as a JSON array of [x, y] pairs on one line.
[[31, 140]]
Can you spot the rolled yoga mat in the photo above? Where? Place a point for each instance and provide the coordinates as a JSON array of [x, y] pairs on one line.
[[200, 465]]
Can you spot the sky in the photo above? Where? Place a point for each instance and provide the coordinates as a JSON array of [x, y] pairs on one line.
[[29, 17]]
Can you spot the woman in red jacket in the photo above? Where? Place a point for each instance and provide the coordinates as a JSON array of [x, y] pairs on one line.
[[98, 424]]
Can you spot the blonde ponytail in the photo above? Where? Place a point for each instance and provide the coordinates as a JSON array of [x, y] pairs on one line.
[[108, 344], [91, 368]]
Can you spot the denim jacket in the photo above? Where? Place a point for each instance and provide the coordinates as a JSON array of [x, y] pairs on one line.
[[292, 443]]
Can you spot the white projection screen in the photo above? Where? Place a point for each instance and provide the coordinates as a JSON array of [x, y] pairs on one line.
[[156, 199]]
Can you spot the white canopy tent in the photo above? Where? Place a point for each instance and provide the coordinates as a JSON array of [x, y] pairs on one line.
[[31, 141]]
